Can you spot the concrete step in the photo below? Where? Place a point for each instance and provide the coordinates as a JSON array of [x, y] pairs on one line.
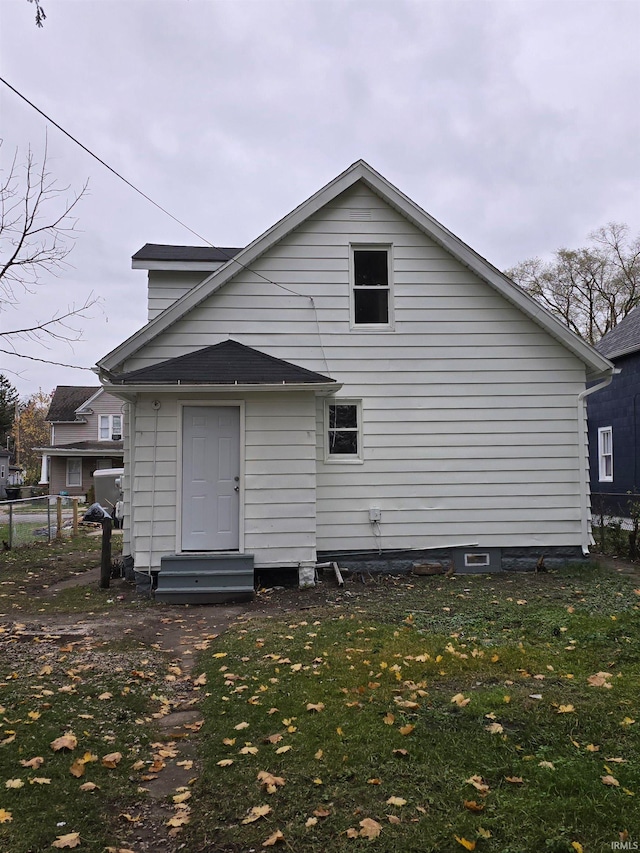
[[203, 595]]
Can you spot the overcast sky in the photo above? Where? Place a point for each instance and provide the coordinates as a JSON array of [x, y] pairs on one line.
[[515, 124]]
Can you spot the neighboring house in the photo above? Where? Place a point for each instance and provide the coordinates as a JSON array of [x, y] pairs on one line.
[[614, 422], [5, 458], [86, 433], [357, 384]]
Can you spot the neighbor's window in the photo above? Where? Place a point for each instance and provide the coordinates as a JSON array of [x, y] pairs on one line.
[[74, 472], [476, 560], [605, 454], [110, 428], [371, 286], [344, 432]]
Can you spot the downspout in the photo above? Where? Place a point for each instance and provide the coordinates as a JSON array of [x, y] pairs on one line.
[[583, 479]]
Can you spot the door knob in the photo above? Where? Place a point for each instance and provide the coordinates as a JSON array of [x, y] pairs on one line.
[[236, 488]]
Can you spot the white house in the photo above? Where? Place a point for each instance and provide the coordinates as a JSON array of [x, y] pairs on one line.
[[356, 384]]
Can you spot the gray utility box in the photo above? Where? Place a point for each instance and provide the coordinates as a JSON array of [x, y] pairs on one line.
[[107, 484]]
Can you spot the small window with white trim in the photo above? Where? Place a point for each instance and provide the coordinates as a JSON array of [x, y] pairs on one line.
[[74, 471], [371, 286], [110, 428], [605, 454], [343, 430]]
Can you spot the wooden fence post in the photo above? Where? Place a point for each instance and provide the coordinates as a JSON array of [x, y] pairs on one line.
[[75, 516], [59, 517], [105, 558]]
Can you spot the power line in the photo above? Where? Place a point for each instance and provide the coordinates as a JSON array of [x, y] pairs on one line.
[[44, 360], [143, 194]]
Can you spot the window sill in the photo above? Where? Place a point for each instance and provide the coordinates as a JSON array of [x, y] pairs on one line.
[[346, 460]]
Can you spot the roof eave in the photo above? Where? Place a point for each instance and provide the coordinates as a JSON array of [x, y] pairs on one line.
[[125, 389]]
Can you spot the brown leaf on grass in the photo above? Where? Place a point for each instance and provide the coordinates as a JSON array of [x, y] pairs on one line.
[[228, 741], [600, 679], [66, 741], [407, 704], [401, 753], [201, 679], [515, 780], [240, 726], [610, 780], [276, 838], [182, 797], [255, 813], [321, 812], [105, 696], [374, 781], [317, 708], [311, 821], [396, 801], [370, 828], [226, 762], [468, 845], [77, 768], [388, 719], [89, 786], [270, 782], [566, 709], [112, 760], [352, 833], [178, 820], [130, 818], [34, 763], [14, 783], [478, 783], [494, 728], [473, 806], [406, 730], [71, 839], [282, 749], [5, 816], [392, 818], [273, 738], [460, 700], [40, 780]]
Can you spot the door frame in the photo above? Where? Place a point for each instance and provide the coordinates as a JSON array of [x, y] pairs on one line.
[[213, 403]]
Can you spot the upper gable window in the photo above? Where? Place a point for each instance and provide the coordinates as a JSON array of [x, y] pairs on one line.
[[371, 286], [110, 428]]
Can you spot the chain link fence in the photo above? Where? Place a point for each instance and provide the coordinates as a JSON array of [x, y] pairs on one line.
[[37, 519], [615, 522]]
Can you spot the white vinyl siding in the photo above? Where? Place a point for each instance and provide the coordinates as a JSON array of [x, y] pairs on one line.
[[605, 454], [67, 433], [278, 480], [469, 417]]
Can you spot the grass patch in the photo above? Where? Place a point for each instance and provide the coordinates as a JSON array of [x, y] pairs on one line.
[[101, 694], [353, 706]]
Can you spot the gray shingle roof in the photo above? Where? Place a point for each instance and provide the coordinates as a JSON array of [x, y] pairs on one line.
[[226, 363], [66, 399], [623, 338], [160, 252]]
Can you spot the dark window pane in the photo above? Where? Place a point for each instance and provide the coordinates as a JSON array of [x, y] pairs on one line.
[[343, 442], [343, 416], [370, 268], [371, 306]]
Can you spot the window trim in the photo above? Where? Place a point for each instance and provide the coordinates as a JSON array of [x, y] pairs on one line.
[[67, 478], [603, 477], [343, 458], [110, 430], [389, 326]]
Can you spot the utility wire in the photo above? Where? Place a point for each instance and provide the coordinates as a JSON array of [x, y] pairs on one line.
[[167, 213], [143, 194]]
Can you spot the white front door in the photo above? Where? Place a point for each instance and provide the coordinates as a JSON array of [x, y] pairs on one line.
[[210, 478]]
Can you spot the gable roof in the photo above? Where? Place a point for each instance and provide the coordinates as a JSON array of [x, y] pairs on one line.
[[623, 339], [227, 363], [596, 364], [66, 399]]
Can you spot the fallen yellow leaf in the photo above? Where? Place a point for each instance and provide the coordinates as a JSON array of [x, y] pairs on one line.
[[112, 760], [276, 838], [610, 780], [5, 816], [468, 845], [255, 813], [71, 839], [460, 700], [67, 741], [370, 828]]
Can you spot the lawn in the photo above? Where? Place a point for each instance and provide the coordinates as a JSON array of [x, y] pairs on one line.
[[495, 713], [489, 713]]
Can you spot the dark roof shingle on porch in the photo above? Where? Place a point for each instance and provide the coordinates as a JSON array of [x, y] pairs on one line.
[[227, 363], [66, 399]]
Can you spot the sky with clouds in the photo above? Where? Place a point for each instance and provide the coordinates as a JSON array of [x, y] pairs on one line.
[[515, 124]]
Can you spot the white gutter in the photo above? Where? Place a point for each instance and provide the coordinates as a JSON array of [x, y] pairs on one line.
[[583, 478]]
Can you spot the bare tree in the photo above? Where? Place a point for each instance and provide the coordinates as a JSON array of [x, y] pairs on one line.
[[37, 233], [40, 15], [592, 288]]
